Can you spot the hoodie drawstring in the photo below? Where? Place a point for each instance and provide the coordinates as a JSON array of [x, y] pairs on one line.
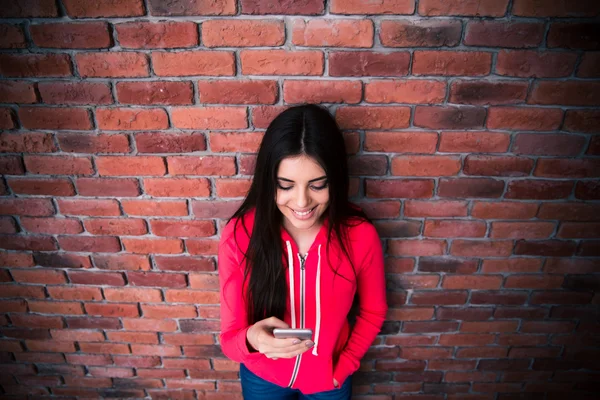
[[292, 297]]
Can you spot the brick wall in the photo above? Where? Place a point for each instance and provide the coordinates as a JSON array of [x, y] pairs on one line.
[[129, 131]]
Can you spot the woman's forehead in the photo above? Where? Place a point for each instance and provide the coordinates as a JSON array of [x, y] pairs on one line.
[[300, 169]]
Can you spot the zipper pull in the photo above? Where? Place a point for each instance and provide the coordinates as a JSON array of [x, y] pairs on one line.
[[302, 259]]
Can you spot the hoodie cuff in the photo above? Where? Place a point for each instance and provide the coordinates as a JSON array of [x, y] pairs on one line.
[[245, 353], [342, 371]]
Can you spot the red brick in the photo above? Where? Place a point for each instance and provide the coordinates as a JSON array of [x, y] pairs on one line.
[[546, 248], [420, 33], [504, 210], [132, 295], [12, 37], [52, 226], [443, 208], [281, 62], [535, 64], [182, 228], [112, 65], [242, 33], [148, 35], [477, 248], [155, 208], [449, 228], [235, 141], [407, 91], [97, 244], [122, 262], [75, 93], [232, 187], [526, 265], [471, 282], [50, 307], [43, 187], [17, 92], [399, 188], [112, 310], [26, 142], [373, 117], [565, 167], [367, 165], [307, 7], [573, 93], [153, 246], [522, 230], [368, 63], [108, 348], [74, 293], [574, 35], [504, 34], [191, 296], [214, 209], [28, 207], [209, 117], [185, 263], [103, 8], [470, 187], [450, 63], [192, 7], [58, 165], [175, 142], [89, 207], [28, 8], [381, 7], [99, 187], [587, 190], [8, 225], [449, 117], [401, 142], [474, 142], [582, 121], [114, 119], [55, 118], [89, 35], [488, 92], [129, 337], [332, 32], [497, 166], [311, 91], [238, 92], [202, 165], [177, 187], [186, 63], [579, 230], [420, 247], [92, 143], [538, 189], [7, 119], [35, 65], [160, 280], [548, 144], [204, 281], [425, 166], [530, 118], [154, 92], [96, 278], [62, 260], [555, 8], [45, 276], [130, 165], [480, 8], [588, 68], [263, 115], [115, 226]]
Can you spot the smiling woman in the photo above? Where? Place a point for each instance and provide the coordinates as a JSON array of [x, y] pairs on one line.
[[294, 234]]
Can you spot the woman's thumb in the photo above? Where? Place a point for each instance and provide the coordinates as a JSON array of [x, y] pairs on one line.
[[275, 322]]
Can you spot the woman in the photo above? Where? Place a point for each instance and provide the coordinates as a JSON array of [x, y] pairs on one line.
[[293, 256]]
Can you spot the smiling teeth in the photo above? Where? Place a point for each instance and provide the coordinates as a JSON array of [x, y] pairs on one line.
[[304, 213]]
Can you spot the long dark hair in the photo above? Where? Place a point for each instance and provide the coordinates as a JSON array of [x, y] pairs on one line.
[[301, 130]]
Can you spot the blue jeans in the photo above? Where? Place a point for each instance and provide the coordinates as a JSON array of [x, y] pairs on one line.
[[256, 388]]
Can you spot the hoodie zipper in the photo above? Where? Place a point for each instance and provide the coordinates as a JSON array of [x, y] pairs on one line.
[[302, 290]]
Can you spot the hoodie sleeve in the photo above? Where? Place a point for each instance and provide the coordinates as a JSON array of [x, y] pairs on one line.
[[233, 306], [372, 306]]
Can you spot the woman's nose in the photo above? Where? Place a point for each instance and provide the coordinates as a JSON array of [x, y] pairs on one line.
[[302, 199]]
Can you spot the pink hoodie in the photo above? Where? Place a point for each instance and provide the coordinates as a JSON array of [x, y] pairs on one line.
[[315, 301]]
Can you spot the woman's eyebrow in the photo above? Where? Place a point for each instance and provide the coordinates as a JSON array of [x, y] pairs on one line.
[[312, 180]]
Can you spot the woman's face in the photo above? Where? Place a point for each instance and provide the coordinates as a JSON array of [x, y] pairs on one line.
[[302, 192]]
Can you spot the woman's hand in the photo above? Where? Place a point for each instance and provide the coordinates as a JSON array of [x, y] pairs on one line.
[[260, 337]]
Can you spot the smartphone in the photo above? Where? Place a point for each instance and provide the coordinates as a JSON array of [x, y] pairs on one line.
[[292, 333]]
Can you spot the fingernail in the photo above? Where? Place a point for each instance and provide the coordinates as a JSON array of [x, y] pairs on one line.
[[309, 344], [296, 341]]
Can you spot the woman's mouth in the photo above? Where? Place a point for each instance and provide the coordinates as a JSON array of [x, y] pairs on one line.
[[304, 215]]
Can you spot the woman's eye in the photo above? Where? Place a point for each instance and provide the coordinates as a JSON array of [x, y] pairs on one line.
[[284, 188], [319, 187]]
